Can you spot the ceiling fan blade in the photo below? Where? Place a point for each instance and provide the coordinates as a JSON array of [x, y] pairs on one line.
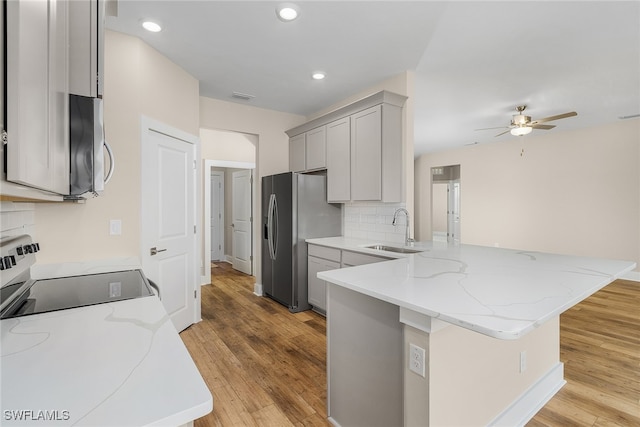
[[544, 127], [499, 127], [558, 117], [506, 131]]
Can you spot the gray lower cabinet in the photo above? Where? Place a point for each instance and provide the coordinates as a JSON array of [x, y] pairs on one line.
[[351, 259], [322, 258]]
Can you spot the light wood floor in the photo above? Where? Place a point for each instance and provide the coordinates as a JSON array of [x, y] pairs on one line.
[[266, 367]]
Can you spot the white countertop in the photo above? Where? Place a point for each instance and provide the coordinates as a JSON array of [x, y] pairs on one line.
[[360, 245], [113, 364], [502, 293]]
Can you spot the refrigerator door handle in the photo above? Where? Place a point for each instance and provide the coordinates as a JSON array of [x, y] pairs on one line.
[[274, 236], [272, 199]]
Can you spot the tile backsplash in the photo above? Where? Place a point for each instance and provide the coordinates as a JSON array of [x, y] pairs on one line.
[[17, 218], [372, 221]]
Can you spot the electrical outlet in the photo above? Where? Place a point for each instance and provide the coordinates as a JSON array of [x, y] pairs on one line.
[[416, 359], [115, 227], [523, 361]]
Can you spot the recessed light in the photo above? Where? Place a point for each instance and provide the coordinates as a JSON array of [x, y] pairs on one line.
[[287, 12], [318, 75], [151, 26]]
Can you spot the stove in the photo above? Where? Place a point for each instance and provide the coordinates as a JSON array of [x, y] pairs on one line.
[[20, 295]]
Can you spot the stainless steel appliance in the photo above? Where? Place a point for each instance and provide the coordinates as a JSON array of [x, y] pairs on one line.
[[20, 295], [87, 145], [294, 208]]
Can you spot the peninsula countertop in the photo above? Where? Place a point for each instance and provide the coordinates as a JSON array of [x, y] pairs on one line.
[[502, 293]]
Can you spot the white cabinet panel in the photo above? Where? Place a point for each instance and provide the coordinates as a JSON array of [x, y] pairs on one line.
[[339, 160], [315, 149], [37, 95]]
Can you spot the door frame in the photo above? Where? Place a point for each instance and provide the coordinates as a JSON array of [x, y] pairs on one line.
[[221, 208], [147, 124], [205, 278]]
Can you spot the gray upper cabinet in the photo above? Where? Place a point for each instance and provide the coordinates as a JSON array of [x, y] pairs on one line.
[[53, 48], [297, 153], [86, 47], [364, 149], [315, 151], [307, 151], [37, 95], [339, 160], [366, 155]]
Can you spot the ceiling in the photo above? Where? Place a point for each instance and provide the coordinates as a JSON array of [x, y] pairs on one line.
[[474, 62]]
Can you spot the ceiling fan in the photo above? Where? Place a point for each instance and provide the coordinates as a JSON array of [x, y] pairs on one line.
[[522, 125]]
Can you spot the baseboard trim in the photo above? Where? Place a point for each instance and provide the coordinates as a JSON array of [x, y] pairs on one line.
[[632, 275], [333, 422], [257, 289], [523, 409]]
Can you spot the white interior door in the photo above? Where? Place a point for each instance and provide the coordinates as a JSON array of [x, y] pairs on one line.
[[217, 216], [168, 218], [241, 221], [453, 212]]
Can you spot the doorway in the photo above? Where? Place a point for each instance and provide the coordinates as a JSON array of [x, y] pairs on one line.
[[236, 248], [445, 204]]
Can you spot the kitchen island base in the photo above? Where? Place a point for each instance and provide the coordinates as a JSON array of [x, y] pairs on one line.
[[470, 378]]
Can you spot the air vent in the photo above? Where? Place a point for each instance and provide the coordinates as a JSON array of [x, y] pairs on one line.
[[243, 96]]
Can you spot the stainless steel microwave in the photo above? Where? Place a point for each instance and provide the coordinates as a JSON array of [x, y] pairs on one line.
[[87, 148]]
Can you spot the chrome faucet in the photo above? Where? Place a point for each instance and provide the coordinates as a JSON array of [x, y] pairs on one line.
[[407, 236]]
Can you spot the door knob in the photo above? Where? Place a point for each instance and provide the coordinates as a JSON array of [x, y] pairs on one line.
[[154, 250]]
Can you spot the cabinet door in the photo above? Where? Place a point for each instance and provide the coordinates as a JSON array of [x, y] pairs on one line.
[[318, 288], [366, 154], [315, 153], [297, 153], [37, 95], [339, 160], [84, 47]]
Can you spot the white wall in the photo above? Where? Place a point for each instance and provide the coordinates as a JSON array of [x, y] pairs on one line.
[[230, 146], [272, 150], [573, 192], [138, 81]]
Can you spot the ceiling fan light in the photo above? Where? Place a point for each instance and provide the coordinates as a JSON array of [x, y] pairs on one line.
[[521, 130]]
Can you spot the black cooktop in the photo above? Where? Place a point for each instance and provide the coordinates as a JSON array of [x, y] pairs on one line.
[[78, 291]]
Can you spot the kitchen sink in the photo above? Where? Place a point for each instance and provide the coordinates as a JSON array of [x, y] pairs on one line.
[[393, 249]]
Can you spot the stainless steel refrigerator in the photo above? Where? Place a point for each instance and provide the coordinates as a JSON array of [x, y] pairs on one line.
[[294, 208]]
